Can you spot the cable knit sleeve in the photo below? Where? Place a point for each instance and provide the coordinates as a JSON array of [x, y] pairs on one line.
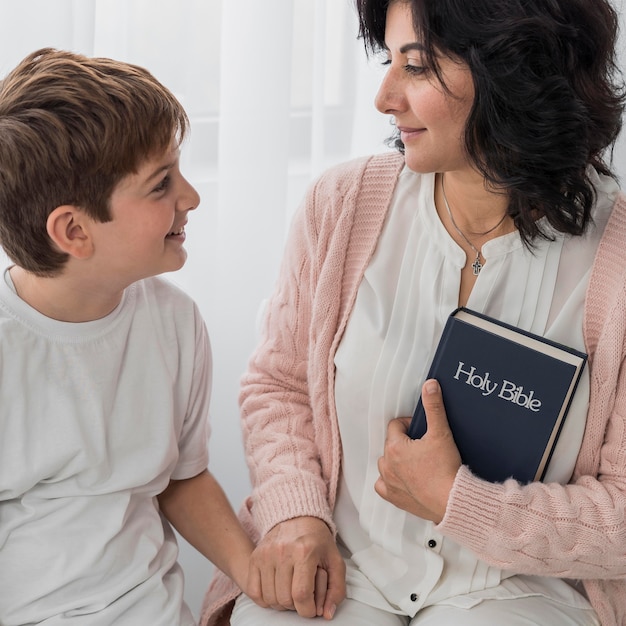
[[280, 426], [573, 531], [576, 530]]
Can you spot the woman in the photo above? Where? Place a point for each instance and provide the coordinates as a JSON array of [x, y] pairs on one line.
[[500, 200]]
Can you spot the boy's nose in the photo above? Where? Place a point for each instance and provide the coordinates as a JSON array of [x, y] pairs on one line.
[[190, 198]]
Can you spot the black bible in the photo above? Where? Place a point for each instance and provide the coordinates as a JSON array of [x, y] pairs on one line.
[[506, 393]]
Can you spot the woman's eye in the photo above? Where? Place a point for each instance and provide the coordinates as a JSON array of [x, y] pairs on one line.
[[415, 68]]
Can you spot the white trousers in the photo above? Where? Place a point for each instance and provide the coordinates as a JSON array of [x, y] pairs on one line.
[[529, 611]]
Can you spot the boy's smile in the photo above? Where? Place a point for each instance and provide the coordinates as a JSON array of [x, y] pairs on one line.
[[178, 233]]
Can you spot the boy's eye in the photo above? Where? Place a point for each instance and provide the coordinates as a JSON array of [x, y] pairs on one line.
[[163, 185]]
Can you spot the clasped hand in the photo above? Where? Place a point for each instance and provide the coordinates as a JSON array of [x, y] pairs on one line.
[[297, 566], [417, 475]]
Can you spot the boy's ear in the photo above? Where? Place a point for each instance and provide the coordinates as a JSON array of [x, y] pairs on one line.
[[68, 227]]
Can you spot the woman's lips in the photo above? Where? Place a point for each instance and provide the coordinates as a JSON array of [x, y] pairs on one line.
[[406, 134]]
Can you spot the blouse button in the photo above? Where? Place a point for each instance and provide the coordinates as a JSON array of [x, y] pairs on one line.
[[432, 543], [414, 597]]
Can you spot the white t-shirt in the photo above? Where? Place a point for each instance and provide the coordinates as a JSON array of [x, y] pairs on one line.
[[95, 420], [396, 561]]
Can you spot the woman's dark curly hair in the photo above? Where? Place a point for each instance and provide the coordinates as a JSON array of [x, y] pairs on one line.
[[549, 95]]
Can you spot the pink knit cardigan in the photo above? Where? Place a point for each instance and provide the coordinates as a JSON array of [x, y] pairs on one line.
[[290, 425]]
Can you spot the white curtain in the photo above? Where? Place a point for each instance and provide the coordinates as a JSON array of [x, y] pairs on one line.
[[276, 90]]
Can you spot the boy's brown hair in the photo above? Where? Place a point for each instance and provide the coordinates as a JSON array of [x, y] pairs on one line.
[[71, 127]]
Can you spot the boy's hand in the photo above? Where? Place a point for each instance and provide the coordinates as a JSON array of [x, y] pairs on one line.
[[297, 566], [416, 475]]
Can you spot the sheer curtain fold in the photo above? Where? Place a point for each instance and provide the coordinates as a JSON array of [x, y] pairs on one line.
[[252, 173], [111, 27], [318, 100]]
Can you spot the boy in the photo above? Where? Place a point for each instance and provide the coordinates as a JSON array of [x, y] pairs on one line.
[[104, 369]]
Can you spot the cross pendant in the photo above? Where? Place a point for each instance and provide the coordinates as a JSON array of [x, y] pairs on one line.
[[477, 265]]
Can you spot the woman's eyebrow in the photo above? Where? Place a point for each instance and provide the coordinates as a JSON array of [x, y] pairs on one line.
[[412, 46]]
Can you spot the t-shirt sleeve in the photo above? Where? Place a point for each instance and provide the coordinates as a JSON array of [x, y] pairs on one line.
[[194, 435]]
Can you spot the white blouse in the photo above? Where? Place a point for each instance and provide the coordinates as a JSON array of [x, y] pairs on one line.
[[397, 561]]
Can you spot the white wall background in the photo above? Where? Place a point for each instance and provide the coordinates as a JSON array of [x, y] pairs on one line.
[[276, 91]]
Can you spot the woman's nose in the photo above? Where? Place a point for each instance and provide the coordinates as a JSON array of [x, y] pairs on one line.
[[389, 98]]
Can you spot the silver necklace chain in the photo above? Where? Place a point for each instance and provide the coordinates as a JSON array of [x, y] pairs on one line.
[[476, 265]]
